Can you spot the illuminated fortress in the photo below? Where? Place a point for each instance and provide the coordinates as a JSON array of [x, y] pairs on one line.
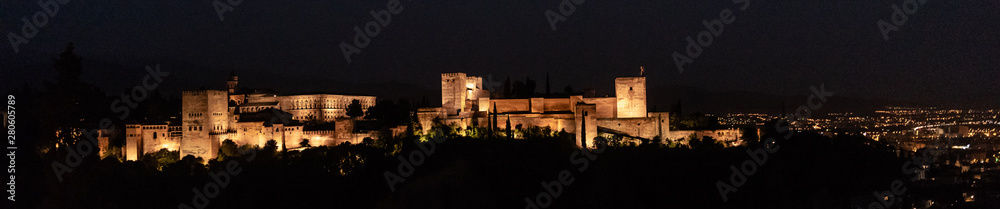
[[209, 117], [466, 104]]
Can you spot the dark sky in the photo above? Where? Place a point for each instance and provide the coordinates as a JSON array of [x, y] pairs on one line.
[[948, 52]]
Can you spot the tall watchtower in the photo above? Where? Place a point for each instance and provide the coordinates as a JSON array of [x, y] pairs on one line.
[[631, 97], [453, 92], [231, 84], [204, 116]]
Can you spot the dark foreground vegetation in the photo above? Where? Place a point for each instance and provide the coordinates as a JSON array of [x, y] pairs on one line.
[[808, 171]]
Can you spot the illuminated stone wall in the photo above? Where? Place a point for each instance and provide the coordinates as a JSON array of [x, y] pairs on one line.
[[511, 105], [155, 137], [605, 106], [321, 138], [537, 105], [251, 133], [426, 117], [474, 88], [631, 94], [143, 139], [557, 105], [636, 127], [292, 135], [254, 133], [661, 123], [556, 122]]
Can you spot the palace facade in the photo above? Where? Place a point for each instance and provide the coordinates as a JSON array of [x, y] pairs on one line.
[[209, 117]]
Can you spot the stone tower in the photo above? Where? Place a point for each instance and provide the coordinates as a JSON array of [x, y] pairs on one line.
[[133, 142], [453, 94], [231, 84], [204, 119], [631, 95], [457, 89]]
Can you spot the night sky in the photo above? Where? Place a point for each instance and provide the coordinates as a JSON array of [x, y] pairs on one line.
[[947, 53]]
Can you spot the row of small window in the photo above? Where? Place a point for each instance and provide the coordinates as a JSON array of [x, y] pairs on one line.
[[254, 109], [276, 129], [327, 104], [308, 106], [199, 128], [199, 114], [312, 117], [154, 135]]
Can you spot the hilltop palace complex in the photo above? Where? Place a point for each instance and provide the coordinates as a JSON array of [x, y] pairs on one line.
[[465, 103], [209, 117]]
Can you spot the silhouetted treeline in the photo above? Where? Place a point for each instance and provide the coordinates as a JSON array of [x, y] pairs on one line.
[[462, 172]]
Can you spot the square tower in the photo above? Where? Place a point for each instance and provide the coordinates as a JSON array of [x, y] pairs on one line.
[[133, 141], [631, 95], [204, 114], [453, 92]]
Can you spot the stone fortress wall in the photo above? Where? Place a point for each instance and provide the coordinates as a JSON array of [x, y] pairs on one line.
[[466, 104], [209, 117]]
